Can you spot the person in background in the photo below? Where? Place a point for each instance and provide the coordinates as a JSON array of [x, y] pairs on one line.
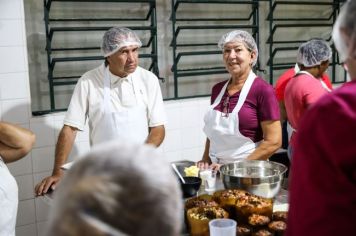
[[243, 119], [305, 88], [280, 87], [323, 181], [119, 99], [114, 190], [15, 143]]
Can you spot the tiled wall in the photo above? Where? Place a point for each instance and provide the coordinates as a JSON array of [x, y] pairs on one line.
[[184, 137]]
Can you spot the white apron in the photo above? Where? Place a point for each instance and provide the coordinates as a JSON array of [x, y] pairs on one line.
[[8, 201], [128, 125], [226, 142]]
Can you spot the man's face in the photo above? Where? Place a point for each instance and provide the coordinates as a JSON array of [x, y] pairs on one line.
[[124, 61]]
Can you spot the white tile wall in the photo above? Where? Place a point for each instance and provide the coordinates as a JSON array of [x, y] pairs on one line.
[[184, 137], [26, 212], [25, 184], [11, 32], [13, 86]]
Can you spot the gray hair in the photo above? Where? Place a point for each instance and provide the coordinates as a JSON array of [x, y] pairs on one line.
[[313, 53], [116, 38], [240, 36], [346, 21], [120, 189]]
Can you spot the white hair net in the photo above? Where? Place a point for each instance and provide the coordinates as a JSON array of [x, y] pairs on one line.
[[347, 22], [118, 189], [313, 53], [240, 36], [116, 38]]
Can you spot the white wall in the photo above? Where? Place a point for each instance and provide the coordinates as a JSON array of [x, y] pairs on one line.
[[184, 138]]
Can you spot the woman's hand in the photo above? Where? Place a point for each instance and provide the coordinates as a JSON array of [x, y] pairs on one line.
[[205, 165]]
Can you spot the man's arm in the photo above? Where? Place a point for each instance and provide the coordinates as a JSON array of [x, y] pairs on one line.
[[15, 142], [63, 148], [156, 135]]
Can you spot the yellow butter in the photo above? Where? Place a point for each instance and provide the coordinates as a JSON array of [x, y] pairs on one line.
[[191, 171]]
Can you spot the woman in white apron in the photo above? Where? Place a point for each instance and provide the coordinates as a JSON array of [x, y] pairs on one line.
[[243, 120], [306, 87]]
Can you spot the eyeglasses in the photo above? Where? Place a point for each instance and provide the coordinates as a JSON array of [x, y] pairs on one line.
[[226, 105]]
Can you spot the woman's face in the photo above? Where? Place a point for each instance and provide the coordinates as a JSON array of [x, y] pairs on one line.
[[237, 58]]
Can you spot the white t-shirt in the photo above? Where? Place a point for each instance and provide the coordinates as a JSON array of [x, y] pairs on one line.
[[88, 96], [8, 201]]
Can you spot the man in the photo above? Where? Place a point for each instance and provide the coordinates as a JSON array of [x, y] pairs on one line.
[[110, 192], [15, 143], [119, 99], [305, 88]]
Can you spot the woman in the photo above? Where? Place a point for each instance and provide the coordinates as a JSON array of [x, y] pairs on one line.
[[306, 87], [323, 181], [243, 119]]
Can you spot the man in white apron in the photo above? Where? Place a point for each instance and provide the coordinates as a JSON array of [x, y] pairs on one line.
[[15, 143], [118, 99], [251, 129]]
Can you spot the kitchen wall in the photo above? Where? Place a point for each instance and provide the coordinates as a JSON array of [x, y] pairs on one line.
[[184, 139]]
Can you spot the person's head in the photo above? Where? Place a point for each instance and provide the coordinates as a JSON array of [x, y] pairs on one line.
[[314, 56], [344, 36], [120, 50], [118, 189], [239, 52]]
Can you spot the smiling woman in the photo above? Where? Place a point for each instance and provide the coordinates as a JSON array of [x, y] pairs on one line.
[[243, 119]]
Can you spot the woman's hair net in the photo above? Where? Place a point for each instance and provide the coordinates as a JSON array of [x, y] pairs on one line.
[[240, 36], [313, 53], [116, 38], [345, 25], [118, 189]]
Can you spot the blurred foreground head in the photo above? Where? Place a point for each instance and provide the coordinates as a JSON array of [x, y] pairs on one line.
[[118, 189], [344, 31]]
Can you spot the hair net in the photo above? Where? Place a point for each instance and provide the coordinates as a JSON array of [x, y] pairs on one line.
[[118, 189], [313, 53], [116, 38], [239, 36], [346, 21]]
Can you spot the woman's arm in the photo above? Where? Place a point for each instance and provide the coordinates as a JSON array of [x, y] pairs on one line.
[[15, 142], [272, 140]]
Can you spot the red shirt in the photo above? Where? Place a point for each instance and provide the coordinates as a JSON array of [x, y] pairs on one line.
[[323, 181], [285, 78], [301, 92]]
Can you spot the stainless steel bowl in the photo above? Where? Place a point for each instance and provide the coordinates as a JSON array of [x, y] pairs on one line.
[[263, 178]]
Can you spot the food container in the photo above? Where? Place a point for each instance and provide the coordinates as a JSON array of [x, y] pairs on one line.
[[262, 178]]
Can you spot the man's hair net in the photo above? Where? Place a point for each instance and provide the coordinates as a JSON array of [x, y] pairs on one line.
[[118, 189], [313, 53], [116, 38], [240, 36], [345, 25]]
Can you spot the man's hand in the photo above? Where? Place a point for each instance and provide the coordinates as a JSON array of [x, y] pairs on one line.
[[47, 184]]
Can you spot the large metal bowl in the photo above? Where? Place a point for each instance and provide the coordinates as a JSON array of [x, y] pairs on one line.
[[263, 178]]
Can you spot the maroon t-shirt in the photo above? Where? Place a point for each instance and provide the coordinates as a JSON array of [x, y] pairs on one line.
[[323, 181], [260, 105]]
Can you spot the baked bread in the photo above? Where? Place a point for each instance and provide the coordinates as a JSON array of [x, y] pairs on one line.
[[204, 200], [251, 204], [278, 227], [243, 230], [256, 220], [262, 232], [280, 216], [198, 219]]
